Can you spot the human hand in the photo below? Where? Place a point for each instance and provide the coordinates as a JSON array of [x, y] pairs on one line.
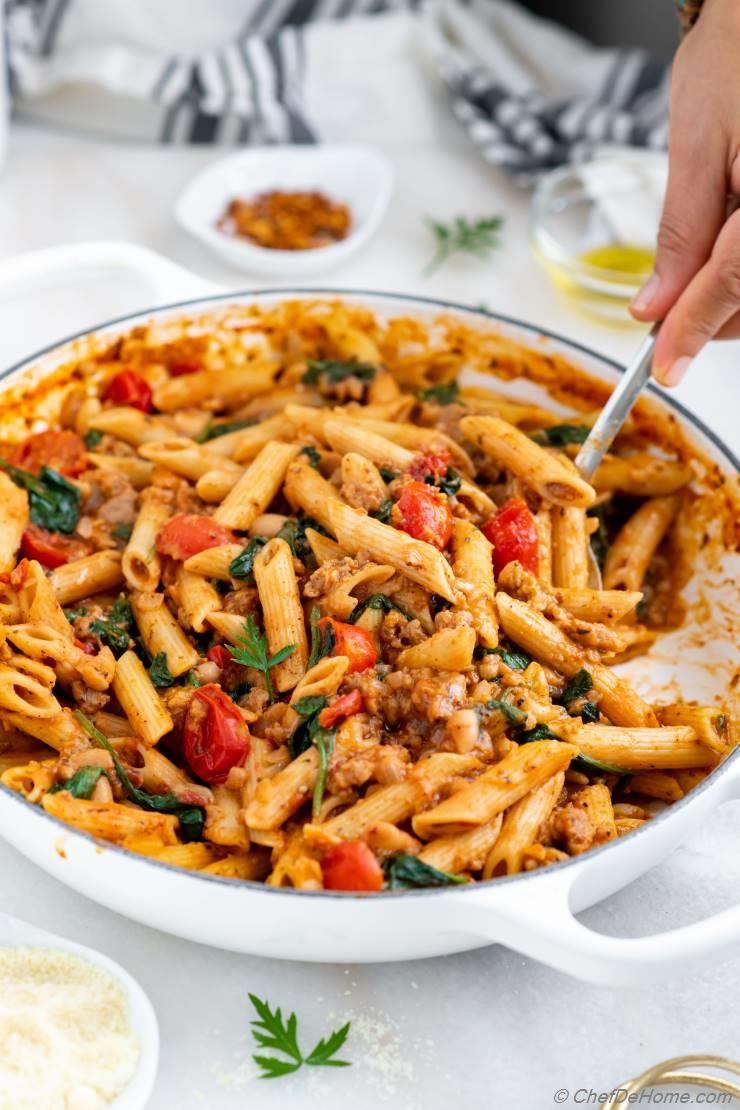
[[695, 286]]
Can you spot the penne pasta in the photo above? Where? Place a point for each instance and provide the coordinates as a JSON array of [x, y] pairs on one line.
[[139, 700]]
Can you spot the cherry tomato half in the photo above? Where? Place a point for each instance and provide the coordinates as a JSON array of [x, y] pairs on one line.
[[129, 388], [351, 866], [345, 706], [425, 514], [215, 735], [62, 451], [513, 533], [50, 548], [356, 643], [219, 655], [188, 533], [435, 464]]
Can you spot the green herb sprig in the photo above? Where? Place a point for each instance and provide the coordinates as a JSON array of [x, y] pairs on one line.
[[445, 394], [477, 237], [271, 1030], [215, 430], [376, 601], [252, 652], [331, 371]]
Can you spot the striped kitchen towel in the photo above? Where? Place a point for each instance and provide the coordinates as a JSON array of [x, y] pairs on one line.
[[530, 94]]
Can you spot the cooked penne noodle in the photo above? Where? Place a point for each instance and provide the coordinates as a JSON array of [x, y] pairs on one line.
[[638, 749], [13, 520], [307, 490], [496, 789], [542, 471], [630, 554], [138, 471], [473, 568], [188, 458], [140, 562], [214, 562], [543, 524], [521, 826], [131, 425], [415, 559], [280, 796], [708, 722], [61, 732], [569, 547], [139, 700], [282, 611], [109, 820], [464, 851], [257, 486], [221, 388], [604, 606], [596, 801], [196, 599], [451, 649], [641, 475], [162, 633], [542, 639], [87, 576]]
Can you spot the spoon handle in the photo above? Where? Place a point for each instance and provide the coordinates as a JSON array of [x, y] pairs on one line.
[[617, 408]]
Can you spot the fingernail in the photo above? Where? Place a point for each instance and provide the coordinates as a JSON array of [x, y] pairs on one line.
[[643, 300], [673, 375]]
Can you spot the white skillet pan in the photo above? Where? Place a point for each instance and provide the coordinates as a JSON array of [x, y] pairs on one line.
[[532, 913]]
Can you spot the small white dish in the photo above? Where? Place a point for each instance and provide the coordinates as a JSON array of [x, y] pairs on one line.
[[358, 176], [137, 1092]]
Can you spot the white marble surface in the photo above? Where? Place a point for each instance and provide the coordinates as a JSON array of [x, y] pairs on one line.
[[483, 1029]]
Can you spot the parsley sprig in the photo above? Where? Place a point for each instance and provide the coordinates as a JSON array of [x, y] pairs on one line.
[[476, 237], [252, 652], [271, 1030]]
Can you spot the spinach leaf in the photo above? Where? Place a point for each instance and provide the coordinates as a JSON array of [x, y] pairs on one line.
[[294, 534], [517, 660], [213, 430], [239, 691], [375, 601], [114, 629], [444, 394], [190, 817], [383, 514], [159, 671], [578, 686], [323, 640], [309, 732], [561, 434], [448, 483], [387, 474], [73, 614], [589, 712], [82, 783], [313, 456], [53, 502], [539, 732], [122, 531], [586, 763], [243, 564], [332, 371], [191, 679], [93, 438], [599, 538], [403, 871], [513, 715]]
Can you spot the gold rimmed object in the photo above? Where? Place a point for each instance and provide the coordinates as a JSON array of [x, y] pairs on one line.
[[671, 1072]]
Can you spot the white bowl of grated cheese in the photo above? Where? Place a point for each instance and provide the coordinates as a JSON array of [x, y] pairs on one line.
[[78, 1032]]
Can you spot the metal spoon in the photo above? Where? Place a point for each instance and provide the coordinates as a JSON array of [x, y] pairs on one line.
[[610, 421]]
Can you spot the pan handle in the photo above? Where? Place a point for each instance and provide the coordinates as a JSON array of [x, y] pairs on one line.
[[37, 269], [537, 920]]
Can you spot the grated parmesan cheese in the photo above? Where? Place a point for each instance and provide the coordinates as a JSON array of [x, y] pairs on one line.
[[65, 1038]]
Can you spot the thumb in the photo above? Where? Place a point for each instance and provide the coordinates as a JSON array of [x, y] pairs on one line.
[[693, 213]]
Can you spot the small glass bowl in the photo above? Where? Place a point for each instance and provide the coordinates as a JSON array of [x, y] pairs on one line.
[[593, 228]]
